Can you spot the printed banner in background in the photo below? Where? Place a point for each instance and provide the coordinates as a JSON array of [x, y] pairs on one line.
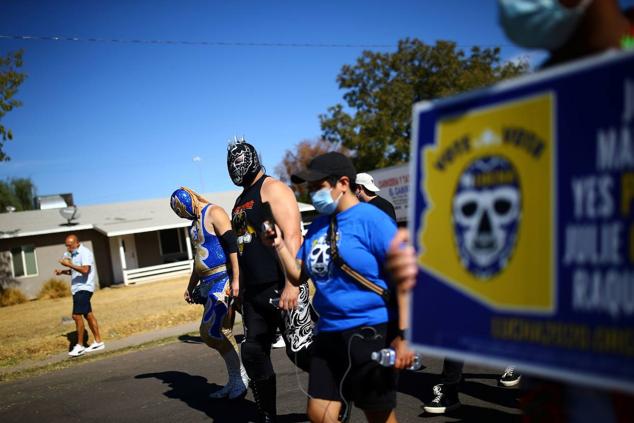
[[521, 213], [394, 185]]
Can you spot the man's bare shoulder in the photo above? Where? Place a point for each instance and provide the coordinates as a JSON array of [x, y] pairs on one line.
[[272, 187]]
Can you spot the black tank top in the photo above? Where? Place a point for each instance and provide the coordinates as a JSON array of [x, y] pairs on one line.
[[258, 263]]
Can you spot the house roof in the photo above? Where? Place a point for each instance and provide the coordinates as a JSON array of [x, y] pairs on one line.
[[110, 219]]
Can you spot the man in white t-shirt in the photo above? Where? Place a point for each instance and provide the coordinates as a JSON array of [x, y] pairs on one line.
[[81, 268]]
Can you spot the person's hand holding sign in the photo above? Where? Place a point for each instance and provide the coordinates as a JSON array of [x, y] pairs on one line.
[[401, 261]]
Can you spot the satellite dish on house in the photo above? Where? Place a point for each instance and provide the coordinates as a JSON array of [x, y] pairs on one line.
[[70, 213]]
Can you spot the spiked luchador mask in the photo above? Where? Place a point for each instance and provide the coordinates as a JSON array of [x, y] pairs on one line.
[[243, 162]]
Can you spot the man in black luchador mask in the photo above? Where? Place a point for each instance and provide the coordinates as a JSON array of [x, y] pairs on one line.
[[264, 288]]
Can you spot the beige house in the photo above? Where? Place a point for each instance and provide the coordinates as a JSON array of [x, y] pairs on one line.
[[132, 242]]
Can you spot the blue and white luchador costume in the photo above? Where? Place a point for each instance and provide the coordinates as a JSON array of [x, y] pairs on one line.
[[210, 266]]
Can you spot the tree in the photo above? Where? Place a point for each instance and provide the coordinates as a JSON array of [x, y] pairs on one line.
[[382, 87], [10, 81], [297, 159], [18, 193]]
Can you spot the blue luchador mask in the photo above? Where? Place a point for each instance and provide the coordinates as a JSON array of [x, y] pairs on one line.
[[182, 204]]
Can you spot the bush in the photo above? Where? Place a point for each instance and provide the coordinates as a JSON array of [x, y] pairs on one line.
[[11, 296], [54, 288]]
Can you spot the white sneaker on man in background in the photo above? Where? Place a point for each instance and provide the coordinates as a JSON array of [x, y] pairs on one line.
[[279, 342], [77, 351], [95, 346]]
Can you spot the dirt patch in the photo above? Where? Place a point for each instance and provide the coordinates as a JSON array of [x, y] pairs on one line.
[[37, 329]]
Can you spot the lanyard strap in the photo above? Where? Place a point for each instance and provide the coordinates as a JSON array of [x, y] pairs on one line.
[[356, 276]]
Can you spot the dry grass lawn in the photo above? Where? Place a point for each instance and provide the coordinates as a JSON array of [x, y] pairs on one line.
[[36, 329]]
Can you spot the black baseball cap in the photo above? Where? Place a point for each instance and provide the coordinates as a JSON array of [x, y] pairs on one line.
[[321, 167]]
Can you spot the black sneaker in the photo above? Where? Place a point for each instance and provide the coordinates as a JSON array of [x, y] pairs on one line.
[[445, 400], [510, 377]]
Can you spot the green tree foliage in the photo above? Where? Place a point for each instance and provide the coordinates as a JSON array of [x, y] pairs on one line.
[[297, 159], [380, 89], [17, 192], [10, 80]]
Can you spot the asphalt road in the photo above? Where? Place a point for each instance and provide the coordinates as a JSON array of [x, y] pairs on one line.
[[170, 383]]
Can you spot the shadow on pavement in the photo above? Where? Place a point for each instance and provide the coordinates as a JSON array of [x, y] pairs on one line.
[[420, 385], [72, 338], [507, 397], [292, 418], [189, 339], [194, 391], [417, 384], [492, 376], [471, 413]]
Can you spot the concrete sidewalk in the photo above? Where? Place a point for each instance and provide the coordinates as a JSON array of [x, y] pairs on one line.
[[114, 345]]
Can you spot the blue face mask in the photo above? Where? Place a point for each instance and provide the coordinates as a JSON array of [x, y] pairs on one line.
[[544, 24], [323, 202]]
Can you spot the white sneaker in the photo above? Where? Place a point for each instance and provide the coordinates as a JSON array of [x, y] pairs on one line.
[[279, 343], [77, 351], [95, 346]]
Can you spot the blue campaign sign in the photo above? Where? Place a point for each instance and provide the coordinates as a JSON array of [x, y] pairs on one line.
[[521, 213]]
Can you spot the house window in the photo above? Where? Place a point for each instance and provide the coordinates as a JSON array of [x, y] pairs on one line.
[[24, 261], [172, 245]]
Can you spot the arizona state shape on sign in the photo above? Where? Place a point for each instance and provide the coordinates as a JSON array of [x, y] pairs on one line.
[[488, 184]]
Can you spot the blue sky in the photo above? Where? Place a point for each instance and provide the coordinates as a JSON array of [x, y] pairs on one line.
[[113, 121]]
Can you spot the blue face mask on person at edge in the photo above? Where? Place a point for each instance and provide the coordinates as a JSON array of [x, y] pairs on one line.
[[323, 201], [542, 24]]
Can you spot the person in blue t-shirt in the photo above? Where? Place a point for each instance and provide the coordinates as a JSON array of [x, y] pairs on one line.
[[354, 321]]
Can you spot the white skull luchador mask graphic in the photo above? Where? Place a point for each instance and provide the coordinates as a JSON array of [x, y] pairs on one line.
[[319, 259], [486, 215]]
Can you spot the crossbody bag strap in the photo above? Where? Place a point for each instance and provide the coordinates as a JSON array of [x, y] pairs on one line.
[[356, 276]]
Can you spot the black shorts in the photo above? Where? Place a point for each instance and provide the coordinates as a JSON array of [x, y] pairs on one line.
[[81, 302], [369, 385]]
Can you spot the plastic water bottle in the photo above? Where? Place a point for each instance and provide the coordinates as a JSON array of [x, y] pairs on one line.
[[387, 357]]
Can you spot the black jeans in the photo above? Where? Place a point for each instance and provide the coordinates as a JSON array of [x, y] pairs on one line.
[[261, 321], [451, 372]]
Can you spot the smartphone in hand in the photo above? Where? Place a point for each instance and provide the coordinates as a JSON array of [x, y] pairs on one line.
[[268, 223]]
